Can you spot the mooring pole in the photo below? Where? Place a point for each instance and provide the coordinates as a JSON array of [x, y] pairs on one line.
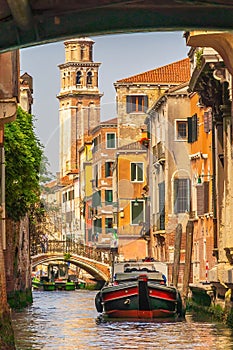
[[188, 259], [176, 265]]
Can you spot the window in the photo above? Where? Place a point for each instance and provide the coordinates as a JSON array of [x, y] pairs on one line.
[[96, 199], [82, 52], [96, 176], [97, 230], [96, 143], [108, 169], [136, 103], [109, 225], [181, 195], [111, 140], [90, 54], [108, 196], [192, 128], [89, 78], [71, 195], [137, 212], [136, 171], [78, 78], [161, 218], [64, 197], [181, 130]]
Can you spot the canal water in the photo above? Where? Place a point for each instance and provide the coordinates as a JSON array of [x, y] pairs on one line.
[[67, 320]]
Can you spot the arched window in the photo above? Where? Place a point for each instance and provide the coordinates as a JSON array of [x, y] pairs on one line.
[[181, 195], [78, 77], [89, 78]]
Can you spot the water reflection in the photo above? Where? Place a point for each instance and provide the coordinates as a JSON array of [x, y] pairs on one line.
[[66, 320]]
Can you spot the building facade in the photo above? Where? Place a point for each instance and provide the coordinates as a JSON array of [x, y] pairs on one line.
[[170, 178]]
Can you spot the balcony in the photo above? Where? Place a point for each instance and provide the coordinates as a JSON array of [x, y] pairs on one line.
[[159, 153], [159, 222]]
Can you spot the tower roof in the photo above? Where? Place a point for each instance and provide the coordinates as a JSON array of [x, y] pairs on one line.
[[176, 72]]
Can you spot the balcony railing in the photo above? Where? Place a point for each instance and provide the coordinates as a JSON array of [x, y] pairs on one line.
[[159, 152], [160, 221]]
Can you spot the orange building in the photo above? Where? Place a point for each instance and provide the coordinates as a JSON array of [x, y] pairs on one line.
[[200, 139]]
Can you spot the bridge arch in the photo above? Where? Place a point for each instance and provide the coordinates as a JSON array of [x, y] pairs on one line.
[[100, 271], [27, 23]]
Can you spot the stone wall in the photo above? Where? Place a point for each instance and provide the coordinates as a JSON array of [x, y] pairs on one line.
[[17, 263]]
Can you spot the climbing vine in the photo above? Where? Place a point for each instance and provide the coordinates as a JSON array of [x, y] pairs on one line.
[[23, 155]]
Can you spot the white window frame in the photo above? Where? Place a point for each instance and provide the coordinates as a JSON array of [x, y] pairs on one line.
[[176, 129], [110, 133], [135, 180], [132, 202]]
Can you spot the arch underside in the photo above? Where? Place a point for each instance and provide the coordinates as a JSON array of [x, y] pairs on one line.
[[75, 260], [27, 23]]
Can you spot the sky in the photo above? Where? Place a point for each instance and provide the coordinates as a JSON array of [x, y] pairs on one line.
[[120, 55]]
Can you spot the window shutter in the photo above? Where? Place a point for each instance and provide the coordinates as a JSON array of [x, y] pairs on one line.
[[189, 129], [106, 169], [145, 103], [206, 122], [128, 104], [140, 173], [200, 199], [210, 120], [194, 128], [176, 182], [206, 196], [133, 171], [162, 206]]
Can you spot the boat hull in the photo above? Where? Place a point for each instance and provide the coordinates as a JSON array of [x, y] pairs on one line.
[[140, 300]]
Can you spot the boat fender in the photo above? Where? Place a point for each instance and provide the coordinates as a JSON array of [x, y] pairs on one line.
[[98, 302]]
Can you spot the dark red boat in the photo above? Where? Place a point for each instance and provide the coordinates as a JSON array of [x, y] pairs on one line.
[[138, 291]]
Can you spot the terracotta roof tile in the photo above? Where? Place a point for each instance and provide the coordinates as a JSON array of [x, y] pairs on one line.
[[176, 72]]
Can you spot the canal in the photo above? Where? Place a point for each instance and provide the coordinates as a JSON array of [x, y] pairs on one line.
[[66, 320]]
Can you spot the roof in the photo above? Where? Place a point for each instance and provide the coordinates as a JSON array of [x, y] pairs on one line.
[[109, 121], [176, 72]]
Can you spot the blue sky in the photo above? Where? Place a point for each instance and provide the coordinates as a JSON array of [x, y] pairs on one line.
[[120, 55]]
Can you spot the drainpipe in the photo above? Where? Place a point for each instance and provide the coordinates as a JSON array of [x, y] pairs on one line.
[[214, 189]]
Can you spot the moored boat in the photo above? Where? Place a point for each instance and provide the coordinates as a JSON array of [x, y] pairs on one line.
[[138, 291], [57, 279]]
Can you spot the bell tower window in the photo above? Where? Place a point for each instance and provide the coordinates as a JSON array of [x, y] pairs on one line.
[[78, 78], [82, 52], [89, 78]]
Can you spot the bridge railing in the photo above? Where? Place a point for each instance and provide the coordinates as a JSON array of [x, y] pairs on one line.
[[69, 247]]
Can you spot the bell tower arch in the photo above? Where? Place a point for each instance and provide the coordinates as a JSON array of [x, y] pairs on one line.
[[79, 100]]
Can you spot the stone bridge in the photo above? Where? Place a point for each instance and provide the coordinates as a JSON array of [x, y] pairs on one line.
[[97, 262]]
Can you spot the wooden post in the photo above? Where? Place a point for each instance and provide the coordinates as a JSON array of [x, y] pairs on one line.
[[176, 264], [188, 259]]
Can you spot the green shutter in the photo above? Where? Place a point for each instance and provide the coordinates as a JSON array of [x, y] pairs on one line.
[[140, 172], [190, 139]]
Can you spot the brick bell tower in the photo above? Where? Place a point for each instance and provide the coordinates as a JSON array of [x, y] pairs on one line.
[[79, 100]]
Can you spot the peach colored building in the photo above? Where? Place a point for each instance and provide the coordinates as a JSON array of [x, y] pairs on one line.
[[104, 148]]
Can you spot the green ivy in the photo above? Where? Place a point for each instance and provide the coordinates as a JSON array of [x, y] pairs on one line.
[[199, 54], [67, 256], [23, 155]]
